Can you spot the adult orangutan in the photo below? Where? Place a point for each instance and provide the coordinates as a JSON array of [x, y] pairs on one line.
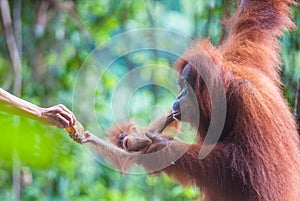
[[257, 156]]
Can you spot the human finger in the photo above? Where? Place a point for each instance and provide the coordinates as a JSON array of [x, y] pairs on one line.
[[73, 119], [61, 121]]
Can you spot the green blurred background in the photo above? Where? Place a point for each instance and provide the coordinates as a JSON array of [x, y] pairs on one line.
[[53, 39]]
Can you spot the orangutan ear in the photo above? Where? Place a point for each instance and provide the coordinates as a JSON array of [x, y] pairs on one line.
[[132, 129]]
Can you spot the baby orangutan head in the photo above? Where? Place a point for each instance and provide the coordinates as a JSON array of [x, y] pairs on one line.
[[126, 136]]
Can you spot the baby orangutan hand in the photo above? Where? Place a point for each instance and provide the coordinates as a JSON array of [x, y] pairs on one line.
[[158, 142]]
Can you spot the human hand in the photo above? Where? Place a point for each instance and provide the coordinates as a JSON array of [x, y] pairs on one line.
[[58, 116]]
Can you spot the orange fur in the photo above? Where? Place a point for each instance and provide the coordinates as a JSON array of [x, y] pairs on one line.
[[261, 149], [257, 157]]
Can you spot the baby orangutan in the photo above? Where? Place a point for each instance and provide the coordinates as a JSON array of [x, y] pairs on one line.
[[127, 143], [126, 136]]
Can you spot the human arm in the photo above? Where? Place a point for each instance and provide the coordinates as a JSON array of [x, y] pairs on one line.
[[57, 115]]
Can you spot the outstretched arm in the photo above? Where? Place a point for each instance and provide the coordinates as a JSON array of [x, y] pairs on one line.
[[57, 115], [117, 157]]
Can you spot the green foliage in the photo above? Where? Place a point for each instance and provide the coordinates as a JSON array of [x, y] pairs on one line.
[[51, 60]]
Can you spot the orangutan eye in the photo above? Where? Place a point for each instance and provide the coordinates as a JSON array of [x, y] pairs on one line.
[[121, 139]]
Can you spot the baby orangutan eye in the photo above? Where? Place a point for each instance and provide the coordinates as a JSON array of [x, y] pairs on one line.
[[121, 140]]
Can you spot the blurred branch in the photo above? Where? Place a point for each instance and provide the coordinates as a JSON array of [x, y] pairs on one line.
[[196, 23], [69, 6], [42, 18], [297, 106], [17, 24], [208, 21], [14, 53], [153, 40], [12, 46]]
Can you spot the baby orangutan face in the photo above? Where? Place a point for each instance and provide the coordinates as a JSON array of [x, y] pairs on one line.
[[126, 137], [147, 140]]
